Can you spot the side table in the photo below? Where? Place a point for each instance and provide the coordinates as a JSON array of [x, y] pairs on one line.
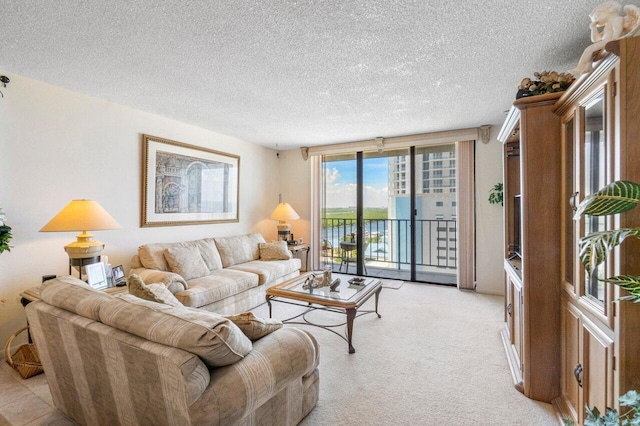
[[299, 248]]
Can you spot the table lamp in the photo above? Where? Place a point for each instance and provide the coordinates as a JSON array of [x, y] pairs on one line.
[[282, 213], [82, 215]]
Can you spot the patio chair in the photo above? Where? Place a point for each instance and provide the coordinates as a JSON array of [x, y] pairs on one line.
[[349, 254]]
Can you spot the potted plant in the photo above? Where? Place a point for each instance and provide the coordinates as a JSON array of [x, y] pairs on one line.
[[5, 233], [496, 194], [611, 417], [617, 197]]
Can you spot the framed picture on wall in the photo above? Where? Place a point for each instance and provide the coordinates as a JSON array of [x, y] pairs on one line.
[[96, 275], [184, 184]]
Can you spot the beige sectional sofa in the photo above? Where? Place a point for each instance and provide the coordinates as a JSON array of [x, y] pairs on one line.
[[224, 275], [113, 360]]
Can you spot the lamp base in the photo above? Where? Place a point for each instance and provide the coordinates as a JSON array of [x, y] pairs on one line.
[[84, 247], [284, 230]]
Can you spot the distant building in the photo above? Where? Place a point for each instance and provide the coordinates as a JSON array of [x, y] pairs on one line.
[[435, 170]]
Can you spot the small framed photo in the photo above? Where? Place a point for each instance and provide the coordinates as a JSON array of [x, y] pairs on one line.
[[117, 273], [96, 276]]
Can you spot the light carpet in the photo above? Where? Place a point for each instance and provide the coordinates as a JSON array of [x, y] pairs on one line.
[[434, 358]]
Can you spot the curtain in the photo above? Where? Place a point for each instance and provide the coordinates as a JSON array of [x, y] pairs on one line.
[[465, 171]]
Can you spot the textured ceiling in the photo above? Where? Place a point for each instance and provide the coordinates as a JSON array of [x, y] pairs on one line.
[[296, 73]]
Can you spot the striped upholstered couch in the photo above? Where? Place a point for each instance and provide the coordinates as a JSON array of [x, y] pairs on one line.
[[113, 360], [225, 275]]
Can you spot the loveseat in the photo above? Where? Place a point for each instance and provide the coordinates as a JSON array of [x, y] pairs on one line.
[[224, 275], [123, 360]]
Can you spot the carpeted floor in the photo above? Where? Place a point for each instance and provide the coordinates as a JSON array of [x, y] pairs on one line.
[[434, 358]]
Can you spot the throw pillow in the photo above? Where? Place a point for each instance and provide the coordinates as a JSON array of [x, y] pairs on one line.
[[154, 292], [186, 261], [275, 251], [253, 327]]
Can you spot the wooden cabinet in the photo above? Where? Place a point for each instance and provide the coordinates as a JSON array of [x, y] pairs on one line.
[[512, 333], [587, 361], [531, 141], [600, 135]]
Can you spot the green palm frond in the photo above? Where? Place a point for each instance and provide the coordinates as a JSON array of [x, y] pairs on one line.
[[630, 283], [617, 197], [595, 247]]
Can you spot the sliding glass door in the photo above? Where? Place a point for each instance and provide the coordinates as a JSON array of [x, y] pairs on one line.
[[436, 225], [391, 214]]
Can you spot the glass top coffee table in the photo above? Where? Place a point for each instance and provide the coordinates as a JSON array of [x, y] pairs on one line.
[[347, 298]]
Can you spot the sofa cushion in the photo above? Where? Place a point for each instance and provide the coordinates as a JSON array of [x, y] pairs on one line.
[[151, 256], [156, 292], [74, 295], [239, 249], [278, 250], [216, 286], [215, 339], [269, 270], [186, 261], [209, 252], [254, 327]]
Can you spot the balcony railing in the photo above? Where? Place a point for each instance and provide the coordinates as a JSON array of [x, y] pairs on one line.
[[388, 242]]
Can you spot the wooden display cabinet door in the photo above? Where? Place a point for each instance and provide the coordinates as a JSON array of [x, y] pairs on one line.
[[517, 319], [571, 362], [597, 361], [508, 312]]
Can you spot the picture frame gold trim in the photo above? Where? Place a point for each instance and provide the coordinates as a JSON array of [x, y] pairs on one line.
[[191, 185]]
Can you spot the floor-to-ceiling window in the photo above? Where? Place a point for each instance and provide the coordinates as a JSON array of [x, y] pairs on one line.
[[391, 213]]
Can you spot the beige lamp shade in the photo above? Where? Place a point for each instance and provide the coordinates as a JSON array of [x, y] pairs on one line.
[[282, 213], [82, 215]]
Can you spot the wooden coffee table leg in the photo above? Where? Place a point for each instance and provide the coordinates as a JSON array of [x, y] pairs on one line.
[[351, 315], [377, 296]]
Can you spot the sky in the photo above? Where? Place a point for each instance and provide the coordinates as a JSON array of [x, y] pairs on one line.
[[340, 177]]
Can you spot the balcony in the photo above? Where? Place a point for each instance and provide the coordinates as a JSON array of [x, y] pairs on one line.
[[388, 248]]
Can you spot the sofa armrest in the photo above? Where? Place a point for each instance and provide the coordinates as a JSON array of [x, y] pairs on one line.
[[173, 281], [236, 390]]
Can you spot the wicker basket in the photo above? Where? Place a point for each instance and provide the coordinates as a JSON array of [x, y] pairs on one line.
[[25, 359]]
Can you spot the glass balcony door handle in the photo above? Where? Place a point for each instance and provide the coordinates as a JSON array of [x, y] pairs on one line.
[[577, 373], [509, 309]]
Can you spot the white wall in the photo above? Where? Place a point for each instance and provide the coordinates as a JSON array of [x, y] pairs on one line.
[[489, 229], [57, 145], [296, 181], [295, 186]]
